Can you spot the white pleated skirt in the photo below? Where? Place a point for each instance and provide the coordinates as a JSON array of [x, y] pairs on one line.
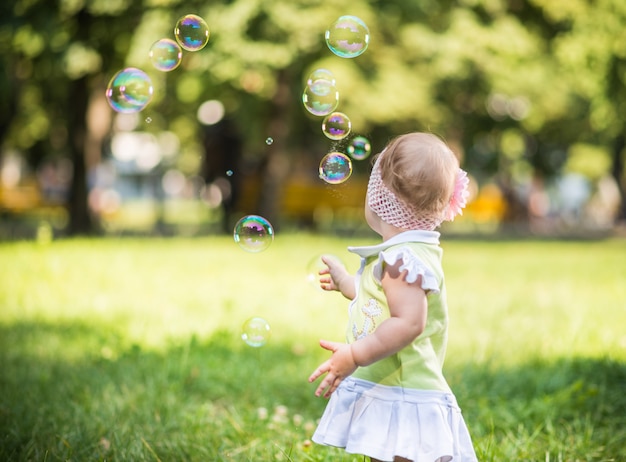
[[383, 422]]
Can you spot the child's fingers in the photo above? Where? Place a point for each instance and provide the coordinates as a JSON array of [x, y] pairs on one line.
[[320, 391], [322, 369], [328, 345], [313, 377], [328, 386], [326, 283], [330, 262], [325, 386], [326, 259], [333, 386]]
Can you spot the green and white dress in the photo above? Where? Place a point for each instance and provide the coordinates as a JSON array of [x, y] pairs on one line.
[[402, 404]]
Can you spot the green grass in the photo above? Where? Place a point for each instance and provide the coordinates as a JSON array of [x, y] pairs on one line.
[[130, 349]]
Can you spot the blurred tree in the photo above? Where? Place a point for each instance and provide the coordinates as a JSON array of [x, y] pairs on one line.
[[53, 56], [511, 84], [8, 97], [494, 77], [566, 88], [590, 48]]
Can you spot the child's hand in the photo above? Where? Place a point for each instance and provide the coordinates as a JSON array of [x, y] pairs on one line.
[[336, 277], [340, 365]]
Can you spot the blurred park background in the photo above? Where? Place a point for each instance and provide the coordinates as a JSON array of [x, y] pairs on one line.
[[530, 94], [122, 293]]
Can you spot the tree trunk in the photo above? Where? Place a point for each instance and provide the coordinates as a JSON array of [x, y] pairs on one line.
[[8, 98], [276, 165], [79, 218], [80, 221], [617, 170]]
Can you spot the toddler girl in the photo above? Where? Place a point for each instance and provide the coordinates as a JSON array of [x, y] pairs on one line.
[[389, 399]]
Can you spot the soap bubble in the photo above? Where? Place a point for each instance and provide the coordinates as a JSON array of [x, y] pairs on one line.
[[321, 98], [335, 168], [336, 126], [359, 148], [129, 91], [165, 55], [253, 233], [321, 74], [255, 332], [314, 266], [269, 140], [192, 32], [348, 37]]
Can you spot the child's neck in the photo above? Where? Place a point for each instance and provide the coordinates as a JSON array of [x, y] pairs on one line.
[[388, 231]]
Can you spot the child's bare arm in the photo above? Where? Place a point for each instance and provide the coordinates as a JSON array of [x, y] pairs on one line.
[[408, 308]]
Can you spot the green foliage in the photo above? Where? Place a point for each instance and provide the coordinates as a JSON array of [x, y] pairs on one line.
[[588, 160], [551, 74], [129, 349], [430, 65]]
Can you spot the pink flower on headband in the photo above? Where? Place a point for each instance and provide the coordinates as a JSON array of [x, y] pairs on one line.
[[459, 197]]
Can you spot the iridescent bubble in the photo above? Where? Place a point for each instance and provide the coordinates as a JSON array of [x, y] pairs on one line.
[[322, 87], [229, 173], [335, 168], [359, 148], [336, 126], [348, 37], [321, 74], [269, 140], [256, 332], [321, 98], [165, 55], [129, 91], [253, 233], [192, 32]]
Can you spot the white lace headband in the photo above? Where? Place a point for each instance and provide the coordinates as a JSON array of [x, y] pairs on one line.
[[396, 212]]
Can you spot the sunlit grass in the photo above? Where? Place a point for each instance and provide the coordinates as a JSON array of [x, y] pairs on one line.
[[154, 291], [129, 349]]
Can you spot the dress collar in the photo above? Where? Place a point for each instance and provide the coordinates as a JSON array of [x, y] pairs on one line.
[[426, 237]]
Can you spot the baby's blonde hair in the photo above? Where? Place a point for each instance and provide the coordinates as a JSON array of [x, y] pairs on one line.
[[421, 170]]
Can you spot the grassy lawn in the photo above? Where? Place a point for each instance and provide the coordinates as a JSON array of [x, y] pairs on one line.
[[130, 350]]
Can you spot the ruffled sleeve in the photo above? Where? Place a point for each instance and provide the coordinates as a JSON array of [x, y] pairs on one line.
[[413, 265]]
